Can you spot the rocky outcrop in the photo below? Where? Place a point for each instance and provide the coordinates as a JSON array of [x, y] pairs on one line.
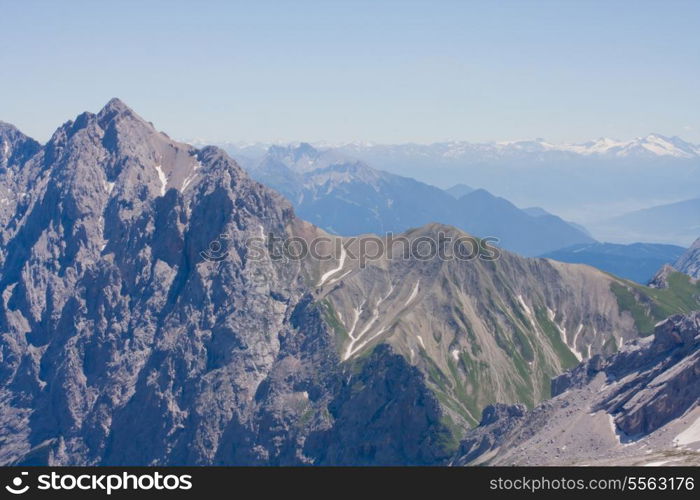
[[630, 408], [496, 422], [660, 279], [667, 384], [688, 263]]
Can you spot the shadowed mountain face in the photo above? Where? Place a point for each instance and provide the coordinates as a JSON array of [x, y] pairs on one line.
[[481, 213], [347, 197], [139, 326], [638, 407]]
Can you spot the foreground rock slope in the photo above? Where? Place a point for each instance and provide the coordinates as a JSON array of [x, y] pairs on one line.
[[637, 407]]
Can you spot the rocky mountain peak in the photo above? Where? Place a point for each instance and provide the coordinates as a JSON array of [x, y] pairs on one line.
[[117, 148], [305, 149], [115, 105], [117, 111], [294, 152]]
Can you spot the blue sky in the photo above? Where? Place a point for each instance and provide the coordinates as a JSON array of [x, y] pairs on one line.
[[380, 71]]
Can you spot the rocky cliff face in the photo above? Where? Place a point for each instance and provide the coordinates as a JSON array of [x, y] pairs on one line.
[[689, 262], [15, 180], [665, 382], [121, 342], [15, 147], [639, 406]]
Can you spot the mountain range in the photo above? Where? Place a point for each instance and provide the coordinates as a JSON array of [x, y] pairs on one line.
[[650, 146], [589, 183], [140, 325], [347, 197]]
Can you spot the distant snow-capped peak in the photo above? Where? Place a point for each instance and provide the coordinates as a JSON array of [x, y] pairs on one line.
[[652, 144], [649, 146]]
